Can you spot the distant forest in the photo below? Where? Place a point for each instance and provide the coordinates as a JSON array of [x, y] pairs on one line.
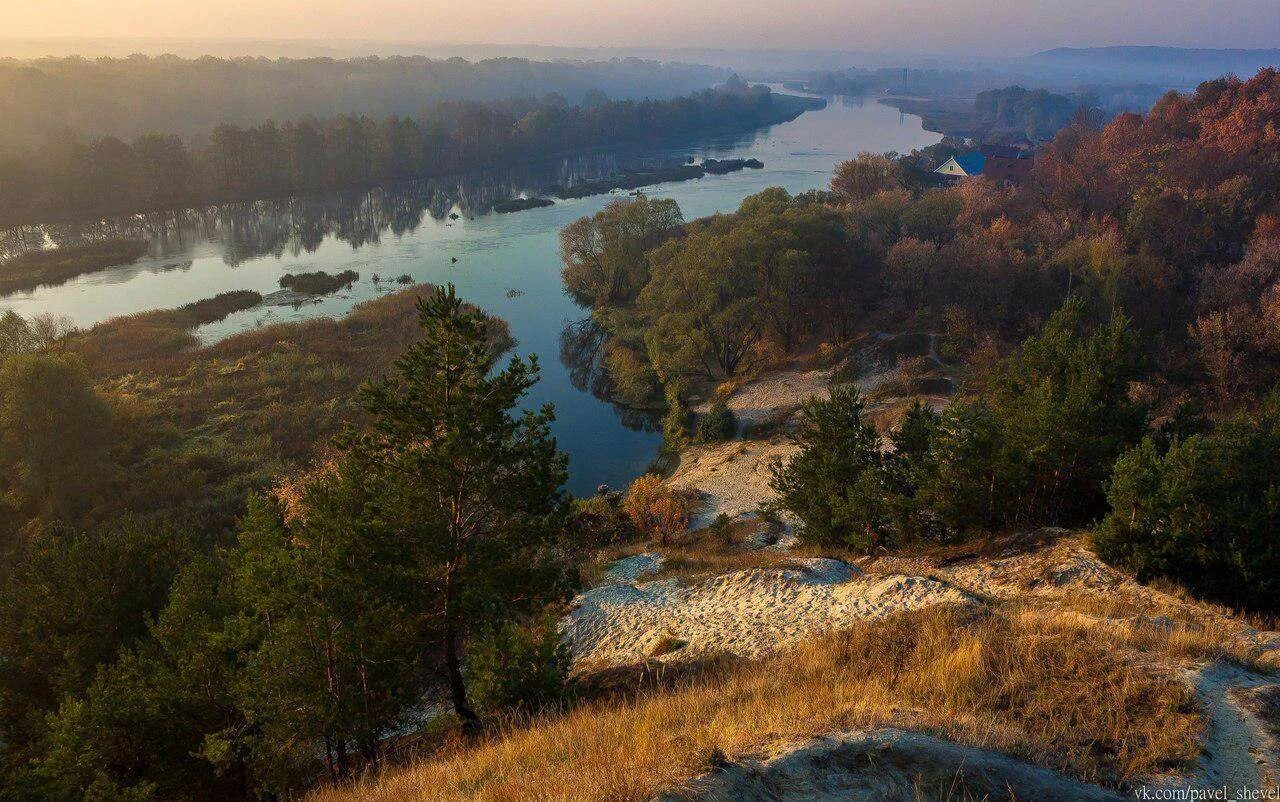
[[138, 95], [68, 178], [1003, 114]]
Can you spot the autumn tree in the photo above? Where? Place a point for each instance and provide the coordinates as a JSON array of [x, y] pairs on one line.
[[604, 255], [864, 176]]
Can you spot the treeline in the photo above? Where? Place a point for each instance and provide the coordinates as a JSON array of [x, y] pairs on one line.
[[68, 178], [233, 571], [1142, 259], [1033, 113], [1005, 114], [129, 97]]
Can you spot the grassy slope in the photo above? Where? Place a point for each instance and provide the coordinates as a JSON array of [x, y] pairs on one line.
[[1021, 682]]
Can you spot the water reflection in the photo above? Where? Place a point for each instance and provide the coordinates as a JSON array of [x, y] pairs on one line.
[[581, 352], [299, 225], [507, 264]]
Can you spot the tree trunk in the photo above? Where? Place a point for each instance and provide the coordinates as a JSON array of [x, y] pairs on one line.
[[457, 688]]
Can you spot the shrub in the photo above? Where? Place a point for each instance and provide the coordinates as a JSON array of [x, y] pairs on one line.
[[522, 669], [675, 424], [717, 424], [1204, 512], [656, 509], [598, 521], [837, 483]]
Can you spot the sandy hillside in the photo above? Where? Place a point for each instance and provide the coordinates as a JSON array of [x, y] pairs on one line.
[[754, 612], [733, 477], [746, 613]]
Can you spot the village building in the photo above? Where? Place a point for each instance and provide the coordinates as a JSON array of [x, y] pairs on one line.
[[1000, 163]]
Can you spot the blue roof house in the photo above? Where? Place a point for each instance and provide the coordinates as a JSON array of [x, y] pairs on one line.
[[963, 166]]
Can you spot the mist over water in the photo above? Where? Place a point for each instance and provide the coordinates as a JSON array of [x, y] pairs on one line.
[[508, 264]]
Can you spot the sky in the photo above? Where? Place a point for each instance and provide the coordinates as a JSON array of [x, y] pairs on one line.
[[983, 28]]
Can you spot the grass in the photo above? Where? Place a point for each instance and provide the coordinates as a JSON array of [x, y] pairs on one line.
[[60, 265], [1063, 698], [717, 550], [1264, 702], [1161, 624], [251, 386], [199, 428], [319, 282], [148, 339]]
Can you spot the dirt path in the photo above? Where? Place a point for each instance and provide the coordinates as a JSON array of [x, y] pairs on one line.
[[1239, 751]]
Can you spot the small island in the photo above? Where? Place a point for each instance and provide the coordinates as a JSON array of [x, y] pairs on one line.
[[319, 282], [302, 288], [635, 179], [60, 265], [521, 204]]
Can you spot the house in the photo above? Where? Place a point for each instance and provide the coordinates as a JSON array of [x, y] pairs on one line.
[[966, 165], [1001, 163]]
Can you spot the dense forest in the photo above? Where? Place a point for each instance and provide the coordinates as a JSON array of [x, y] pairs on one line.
[[68, 178], [1005, 114], [1123, 299], [130, 97], [234, 571]]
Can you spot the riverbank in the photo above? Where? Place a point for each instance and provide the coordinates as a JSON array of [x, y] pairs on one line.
[[410, 229], [45, 195], [644, 178], [732, 478]]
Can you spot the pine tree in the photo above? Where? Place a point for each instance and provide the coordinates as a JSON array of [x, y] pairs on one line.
[[475, 487]]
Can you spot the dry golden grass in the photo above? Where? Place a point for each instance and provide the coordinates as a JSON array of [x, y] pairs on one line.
[[694, 554], [691, 562], [1062, 697], [1165, 623]]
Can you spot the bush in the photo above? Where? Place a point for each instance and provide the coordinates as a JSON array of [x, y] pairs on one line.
[[837, 484], [717, 424], [598, 521], [656, 509], [318, 283], [1204, 512], [518, 669], [675, 424]]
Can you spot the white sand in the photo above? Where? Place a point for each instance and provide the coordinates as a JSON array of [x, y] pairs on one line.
[[733, 477], [629, 569], [747, 613], [888, 765], [751, 613]]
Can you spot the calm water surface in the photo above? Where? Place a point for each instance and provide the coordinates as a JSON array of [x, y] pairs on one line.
[[507, 264]]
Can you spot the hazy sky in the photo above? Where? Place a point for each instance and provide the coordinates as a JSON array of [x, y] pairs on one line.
[[983, 27]]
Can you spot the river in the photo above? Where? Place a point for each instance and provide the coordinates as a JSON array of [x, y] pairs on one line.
[[506, 263]]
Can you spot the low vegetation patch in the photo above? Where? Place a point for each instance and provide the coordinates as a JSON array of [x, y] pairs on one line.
[[59, 265], [133, 342], [521, 204], [319, 282], [1063, 699]]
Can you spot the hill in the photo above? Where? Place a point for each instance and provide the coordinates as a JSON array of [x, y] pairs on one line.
[[1177, 66]]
